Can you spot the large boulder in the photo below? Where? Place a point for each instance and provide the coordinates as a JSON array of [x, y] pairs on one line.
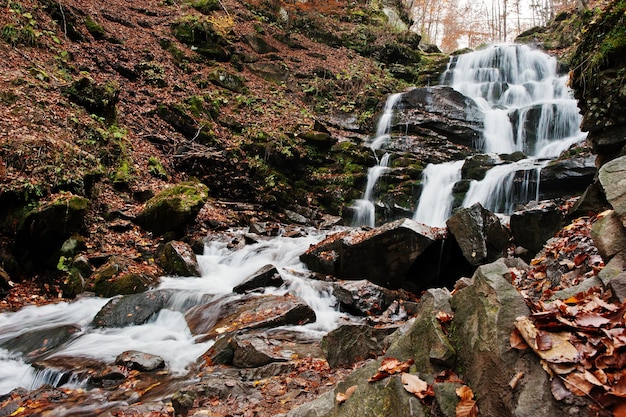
[[609, 235], [173, 208], [267, 276], [383, 255], [114, 277], [42, 232], [352, 343], [362, 298], [531, 228], [36, 344], [613, 179], [443, 110], [484, 318], [131, 309], [479, 233], [252, 312], [573, 174]]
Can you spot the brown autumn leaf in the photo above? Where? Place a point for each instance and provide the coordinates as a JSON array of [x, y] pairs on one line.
[[343, 397], [467, 407], [591, 320], [561, 350], [415, 385], [580, 258], [444, 317], [578, 384], [517, 341], [391, 366]]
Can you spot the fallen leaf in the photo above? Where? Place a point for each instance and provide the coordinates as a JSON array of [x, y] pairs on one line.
[[516, 379], [578, 384], [517, 341], [444, 317], [562, 349], [414, 385], [390, 366], [467, 406], [343, 397]]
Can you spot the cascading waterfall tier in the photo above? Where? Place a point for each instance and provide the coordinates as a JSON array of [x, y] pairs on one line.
[[527, 108], [364, 208]]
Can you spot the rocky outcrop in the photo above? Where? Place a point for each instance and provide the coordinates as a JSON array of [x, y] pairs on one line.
[[442, 110], [531, 228], [352, 343], [613, 179]]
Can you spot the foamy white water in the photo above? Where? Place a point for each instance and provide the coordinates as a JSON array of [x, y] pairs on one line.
[[167, 334]]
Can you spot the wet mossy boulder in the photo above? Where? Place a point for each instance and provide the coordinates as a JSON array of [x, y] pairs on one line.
[[44, 230], [97, 98], [173, 208], [115, 278], [177, 258]]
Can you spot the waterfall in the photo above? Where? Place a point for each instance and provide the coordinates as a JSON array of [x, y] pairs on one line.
[[527, 108], [436, 198], [364, 208]]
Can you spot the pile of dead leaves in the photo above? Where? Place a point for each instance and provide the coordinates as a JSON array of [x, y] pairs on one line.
[[582, 345], [566, 260]]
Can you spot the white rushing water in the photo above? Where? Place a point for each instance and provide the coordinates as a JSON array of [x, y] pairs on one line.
[[365, 208], [527, 107], [167, 334]]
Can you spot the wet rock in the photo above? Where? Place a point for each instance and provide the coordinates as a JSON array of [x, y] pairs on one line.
[[353, 343], [173, 208], [294, 217], [36, 344], [42, 232], [484, 317], [443, 110], [182, 401], [250, 312], [572, 174], [533, 227], [268, 276], [222, 351], [253, 350], [362, 298], [382, 255], [58, 370], [476, 166], [109, 376], [114, 278], [322, 140], [592, 200], [139, 361], [131, 309], [177, 258], [613, 179], [609, 235], [479, 233], [5, 281]]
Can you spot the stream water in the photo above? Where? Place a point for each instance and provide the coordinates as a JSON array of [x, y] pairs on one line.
[[166, 334]]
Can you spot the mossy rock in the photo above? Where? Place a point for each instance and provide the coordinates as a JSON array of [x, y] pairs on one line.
[[227, 80], [129, 283], [173, 208], [99, 99], [202, 35], [206, 6], [44, 229]]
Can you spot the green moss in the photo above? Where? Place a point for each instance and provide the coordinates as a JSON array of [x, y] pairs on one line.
[[156, 169], [123, 174], [94, 28], [206, 6]]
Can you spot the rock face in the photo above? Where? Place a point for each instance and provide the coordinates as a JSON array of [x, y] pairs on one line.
[[131, 309], [479, 233], [613, 179], [352, 343], [382, 256], [268, 276], [173, 208], [484, 317], [443, 110]]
